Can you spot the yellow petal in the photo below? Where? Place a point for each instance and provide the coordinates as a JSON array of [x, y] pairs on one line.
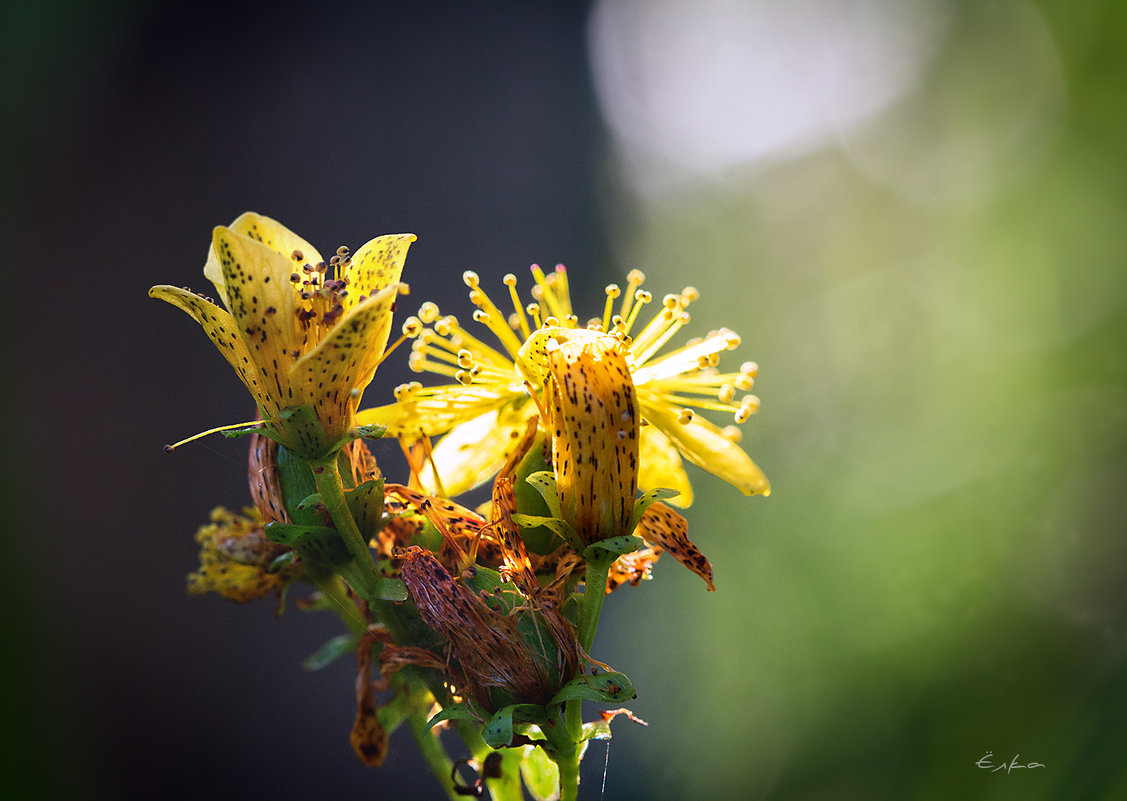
[[435, 410], [704, 445], [377, 264], [473, 451], [659, 465], [267, 231], [222, 329], [345, 360], [264, 306]]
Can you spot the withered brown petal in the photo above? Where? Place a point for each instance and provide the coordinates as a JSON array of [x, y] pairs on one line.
[[662, 526]]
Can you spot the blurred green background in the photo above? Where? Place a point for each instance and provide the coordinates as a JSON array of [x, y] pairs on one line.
[[911, 212]]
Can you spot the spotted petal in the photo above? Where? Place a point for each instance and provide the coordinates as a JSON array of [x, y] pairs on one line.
[[263, 304], [704, 445], [595, 435], [377, 264], [270, 233], [659, 465], [345, 360], [223, 331]]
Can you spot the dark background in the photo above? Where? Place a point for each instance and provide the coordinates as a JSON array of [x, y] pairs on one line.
[[938, 573]]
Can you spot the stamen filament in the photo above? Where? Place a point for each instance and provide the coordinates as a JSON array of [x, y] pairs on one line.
[[495, 321], [549, 296], [634, 279], [643, 298], [511, 282]]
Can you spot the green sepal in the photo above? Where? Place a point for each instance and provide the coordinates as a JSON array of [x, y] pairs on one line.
[[615, 546], [303, 433], [646, 500], [541, 775], [366, 503], [330, 652], [255, 428], [611, 688], [560, 528], [360, 432], [320, 545], [297, 484], [370, 432], [498, 730], [544, 482], [530, 500], [451, 712], [486, 581]]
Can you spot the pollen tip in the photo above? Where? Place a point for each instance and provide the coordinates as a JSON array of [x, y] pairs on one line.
[[470, 279]]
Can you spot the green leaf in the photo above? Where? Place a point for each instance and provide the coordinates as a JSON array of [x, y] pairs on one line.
[[330, 652], [646, 500], [451, 712], [610, 688], [540, 774], [498, 731], [561, 528], [391, 589], [297, 484], [615, 546], [320, 545], [366, 503]]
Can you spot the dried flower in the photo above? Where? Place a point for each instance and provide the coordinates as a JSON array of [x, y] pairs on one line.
[[235, 556]]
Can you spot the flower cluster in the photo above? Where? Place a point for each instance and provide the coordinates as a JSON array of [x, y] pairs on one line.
[[480, 620]]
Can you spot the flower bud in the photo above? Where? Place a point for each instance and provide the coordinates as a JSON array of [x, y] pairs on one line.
[[594, 417]]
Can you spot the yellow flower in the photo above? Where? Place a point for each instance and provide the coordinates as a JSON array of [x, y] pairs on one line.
[[484, 413], [299, 332]]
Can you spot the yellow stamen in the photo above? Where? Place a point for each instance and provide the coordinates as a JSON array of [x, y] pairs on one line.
[[643, 297], [613, 292], [634, 279], [510, 281], [428, 312], [488, 313], [549, 297]]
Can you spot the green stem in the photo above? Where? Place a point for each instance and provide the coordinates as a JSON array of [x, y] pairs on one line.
[[434, 754], [329, 484], [563, 751], [594, 593], [508, 787], [333, 589]]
